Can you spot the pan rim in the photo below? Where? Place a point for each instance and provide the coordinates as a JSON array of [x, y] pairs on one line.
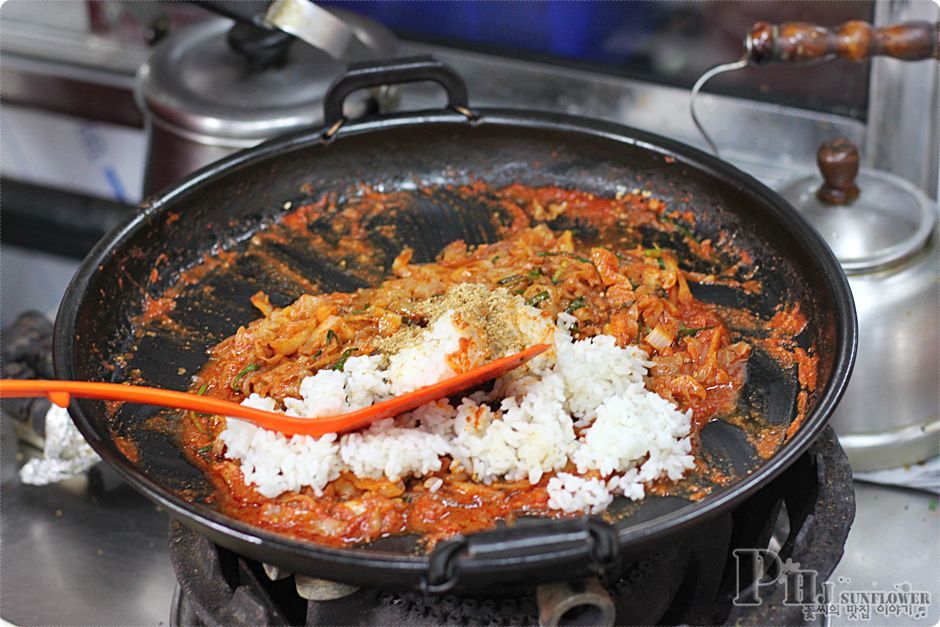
[[845, 340]]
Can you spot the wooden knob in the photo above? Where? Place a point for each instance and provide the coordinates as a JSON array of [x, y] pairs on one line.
[[838, 161], [797, 42]]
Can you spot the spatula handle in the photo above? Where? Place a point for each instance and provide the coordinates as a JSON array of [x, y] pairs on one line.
[[800, 42], [61, 392]]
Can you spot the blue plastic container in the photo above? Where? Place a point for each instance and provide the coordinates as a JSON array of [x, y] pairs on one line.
[[571, 30]]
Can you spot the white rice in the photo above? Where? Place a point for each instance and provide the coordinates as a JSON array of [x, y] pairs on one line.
[[630, 436], [532, 435], [275, 463], [411, 368], [571, 493]]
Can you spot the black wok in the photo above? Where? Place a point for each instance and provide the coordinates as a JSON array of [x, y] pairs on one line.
[[220, 207]]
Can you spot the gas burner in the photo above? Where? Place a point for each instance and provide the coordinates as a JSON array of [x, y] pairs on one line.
[[804, 516]]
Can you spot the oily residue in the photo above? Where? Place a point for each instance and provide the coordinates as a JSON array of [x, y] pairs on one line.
[[127, 447]]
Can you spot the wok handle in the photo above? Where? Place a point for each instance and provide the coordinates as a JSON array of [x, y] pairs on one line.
[[394, 72], [799, 42], [586, 547]]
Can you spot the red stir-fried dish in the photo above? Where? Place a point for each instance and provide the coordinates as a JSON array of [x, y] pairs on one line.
[[613, 410]]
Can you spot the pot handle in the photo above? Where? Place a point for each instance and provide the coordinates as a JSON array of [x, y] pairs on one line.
[[394, 72], [797, 42], [586, 547]]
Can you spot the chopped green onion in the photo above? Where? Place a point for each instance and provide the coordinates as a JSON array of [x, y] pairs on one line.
[[514, 278], [576, 304], [556, 276], [685, 331], [538, 298], [205, 449], [236, 382], [330, 335], [662, 264], [683, 230], [534, 274], [571, 255], [193, 415], [196, 423], [655, 251], [495, 257], [518, 292], [342, 360], [317, 354]]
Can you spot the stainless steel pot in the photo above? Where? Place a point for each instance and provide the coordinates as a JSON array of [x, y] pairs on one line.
[[882, 229], [202, 98]]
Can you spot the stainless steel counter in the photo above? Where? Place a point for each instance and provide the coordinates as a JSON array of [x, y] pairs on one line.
[[88, 551], [895, 539]]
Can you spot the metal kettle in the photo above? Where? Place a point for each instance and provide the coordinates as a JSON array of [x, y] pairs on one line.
[[882, 229], [218, 86]]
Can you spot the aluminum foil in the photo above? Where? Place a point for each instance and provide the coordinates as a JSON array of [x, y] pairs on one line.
[[921, 476], [65, 452]]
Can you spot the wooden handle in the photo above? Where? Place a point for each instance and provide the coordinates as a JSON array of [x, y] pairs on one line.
[[838, 161], [799, 42]]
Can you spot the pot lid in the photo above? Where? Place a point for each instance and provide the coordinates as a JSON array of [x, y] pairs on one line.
[[195, 82], [869, 218]]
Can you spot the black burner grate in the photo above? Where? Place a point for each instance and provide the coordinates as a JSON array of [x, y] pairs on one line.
[[805, 514]]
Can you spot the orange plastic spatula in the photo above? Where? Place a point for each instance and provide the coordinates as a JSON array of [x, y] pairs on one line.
[[60, 392]]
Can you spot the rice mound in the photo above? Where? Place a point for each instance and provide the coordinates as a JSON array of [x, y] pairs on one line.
[[583, 404]]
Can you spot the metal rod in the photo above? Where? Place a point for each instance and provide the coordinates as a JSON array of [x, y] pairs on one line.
[[697, 87]]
